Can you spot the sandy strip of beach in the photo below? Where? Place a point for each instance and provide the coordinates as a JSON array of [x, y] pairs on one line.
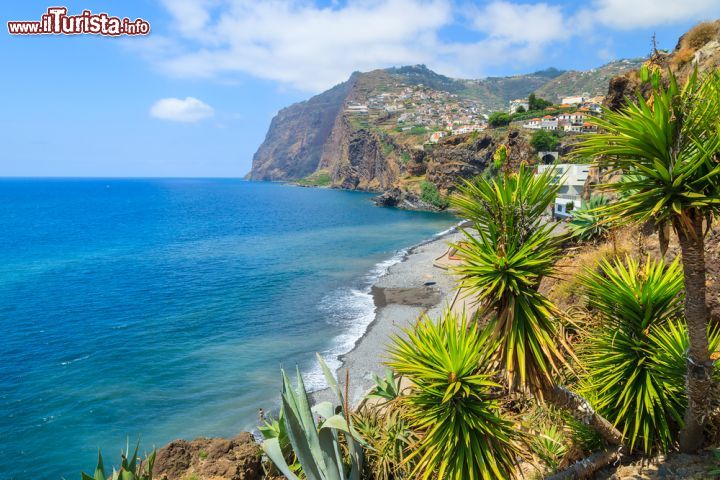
[[407, 290]]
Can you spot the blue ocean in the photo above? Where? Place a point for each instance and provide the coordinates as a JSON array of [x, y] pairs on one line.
[[164, 309]]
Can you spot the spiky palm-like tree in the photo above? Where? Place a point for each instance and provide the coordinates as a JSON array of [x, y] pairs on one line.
[[634, 306], [504, 259], [668, 147], [453, 403]]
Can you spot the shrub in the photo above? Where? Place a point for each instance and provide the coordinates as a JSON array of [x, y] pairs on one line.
[[130, 467], [453, 404], [549, 445], [536, 103], [700, 34], [544, 141], [498, 119], [388, 439], [429, 193]]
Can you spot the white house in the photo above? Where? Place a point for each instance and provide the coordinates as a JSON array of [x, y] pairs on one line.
[[572, 178], [549, 122], [533, 124], [517, 103]]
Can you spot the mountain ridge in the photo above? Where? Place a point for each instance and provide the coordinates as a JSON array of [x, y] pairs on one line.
[[368, 132]]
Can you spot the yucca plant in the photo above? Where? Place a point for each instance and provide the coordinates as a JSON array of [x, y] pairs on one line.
[[388, 440], [503, 261], [588, 222], [130, 467], [453, 404], [635, 353], [317, 446], [549, 444], [668, 147]]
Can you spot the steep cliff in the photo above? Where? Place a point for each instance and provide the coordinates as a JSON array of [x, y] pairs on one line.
[[298, 134]]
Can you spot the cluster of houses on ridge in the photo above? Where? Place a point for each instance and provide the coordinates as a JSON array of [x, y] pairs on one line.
[[417, 105], [575, 121]]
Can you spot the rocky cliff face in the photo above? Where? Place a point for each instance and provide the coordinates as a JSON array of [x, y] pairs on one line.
[[355, 159], [467, 156], [297, 136]]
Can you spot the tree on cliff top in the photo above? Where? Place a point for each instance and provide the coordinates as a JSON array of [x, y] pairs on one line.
[[498, 119]]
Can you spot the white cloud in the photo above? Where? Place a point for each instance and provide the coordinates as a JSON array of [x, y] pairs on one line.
[[521, 23], [309, 47], [178, 110], [625, 15], [300, 44]]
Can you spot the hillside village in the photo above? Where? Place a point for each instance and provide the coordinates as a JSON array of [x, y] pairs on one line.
[[571, 115], [421, 107], [421, 110]]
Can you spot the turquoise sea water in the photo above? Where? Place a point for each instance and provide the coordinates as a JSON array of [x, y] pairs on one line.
[[165, 308]]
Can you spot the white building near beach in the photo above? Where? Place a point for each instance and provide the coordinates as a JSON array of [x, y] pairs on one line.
[[572, 178]]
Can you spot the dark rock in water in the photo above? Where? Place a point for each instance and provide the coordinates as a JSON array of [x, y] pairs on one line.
[[391, 198], [404, 200], [239, 458]]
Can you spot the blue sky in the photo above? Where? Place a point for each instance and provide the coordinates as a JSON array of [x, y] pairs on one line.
[[196, 96]]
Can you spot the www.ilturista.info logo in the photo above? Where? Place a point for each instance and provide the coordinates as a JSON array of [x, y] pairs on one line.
[[57, 22]]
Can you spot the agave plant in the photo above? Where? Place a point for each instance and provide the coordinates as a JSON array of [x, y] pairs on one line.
[[275, 429], [588, 222], [317, 446], [386, 388], [668, 147], [453, 404], [130, 467], [635, 355]]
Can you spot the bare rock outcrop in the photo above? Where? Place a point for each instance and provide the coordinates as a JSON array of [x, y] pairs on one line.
[[238, 458], [699, 49], [469, 155]]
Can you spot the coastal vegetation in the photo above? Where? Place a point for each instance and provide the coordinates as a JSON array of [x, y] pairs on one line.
[[487, 393], [316, 447], [545, 141], [588, 222], [517, 383], [498, 119], [429, 193], [131, 467], [667, 148]]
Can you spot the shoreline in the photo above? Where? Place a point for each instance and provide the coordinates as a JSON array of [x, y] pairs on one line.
[[407, 289]]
